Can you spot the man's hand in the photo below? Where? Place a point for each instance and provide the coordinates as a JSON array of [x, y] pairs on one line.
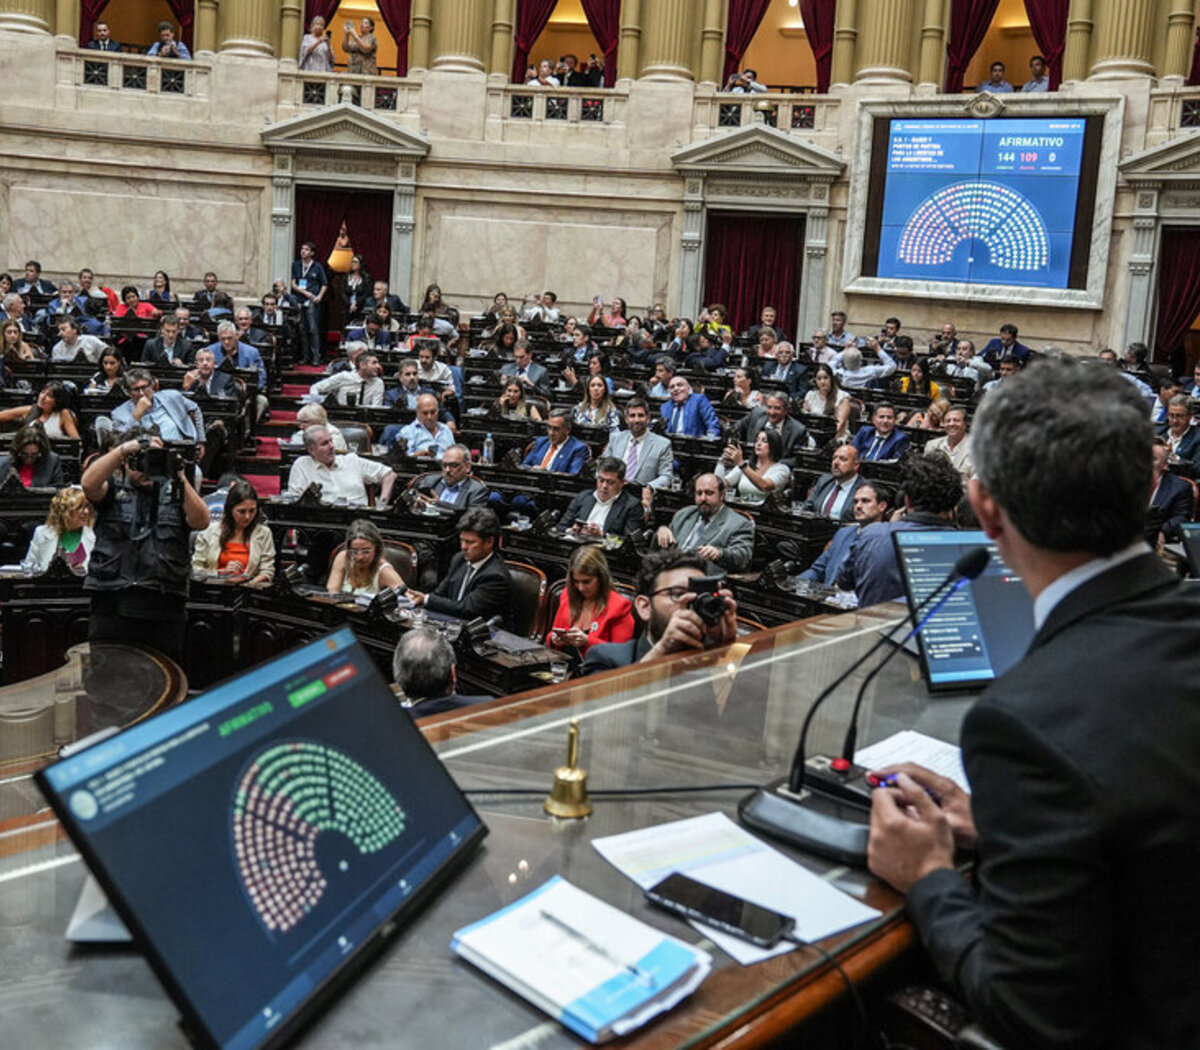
[[664, 536], [190, 379], [686, 630], [647, 498], [955, 803], [709, 553], [910, 835], [418, 597], [143, 405]]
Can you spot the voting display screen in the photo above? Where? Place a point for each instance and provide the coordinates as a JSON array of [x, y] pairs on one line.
[[983, 202], [258, 838]]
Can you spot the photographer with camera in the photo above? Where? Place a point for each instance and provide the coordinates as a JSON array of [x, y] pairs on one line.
[[140, 566], [682, 609]]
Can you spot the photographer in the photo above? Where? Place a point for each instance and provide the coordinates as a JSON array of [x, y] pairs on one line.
[[139, 570], [677, 617]]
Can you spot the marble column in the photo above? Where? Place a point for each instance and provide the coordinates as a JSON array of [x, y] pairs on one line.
[[1181, 32], [845, 41], [811, 310], [283, 206], [28, 16], [205, 34], [691, 264], [67, 19], [291, 28], [460, 35], [1123, 39], [884, 43], [668, 39], [501, 59], [1140, 302], [418, 35], [404, 222], [629, 52], [246, 27], [712, 43], [933, 51]]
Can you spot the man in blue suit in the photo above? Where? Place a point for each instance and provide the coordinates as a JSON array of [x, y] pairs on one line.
[[871, 504], [309, 285], [228, 346], [881, 440], [558, 451], [687, 412], [1171, 497]]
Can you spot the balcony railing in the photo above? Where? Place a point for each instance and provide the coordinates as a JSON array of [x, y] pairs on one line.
[[387, 95], [119, 71], [800, 112], [557, 106]]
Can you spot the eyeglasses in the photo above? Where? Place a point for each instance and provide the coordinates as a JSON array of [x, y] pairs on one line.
[[672, 594], [361, 552], [139, 388]]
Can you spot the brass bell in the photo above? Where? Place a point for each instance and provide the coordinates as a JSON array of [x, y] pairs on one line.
[[569, 798]]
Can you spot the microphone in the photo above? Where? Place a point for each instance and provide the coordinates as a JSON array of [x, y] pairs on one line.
[[778, 810]]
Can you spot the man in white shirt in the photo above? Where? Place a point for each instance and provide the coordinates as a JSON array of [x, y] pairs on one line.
[[71, 342], [853, 374], [340, 477], [425, 435], [955, 445], [363, 384], [433, 372]]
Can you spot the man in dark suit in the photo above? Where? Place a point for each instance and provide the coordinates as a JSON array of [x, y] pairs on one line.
[[102, 39], [382, 295], [881, 440], [32, 283], [525, 369], [169, 347], [1171, 499], [1181, 437], [206, 297], [783, 368], [559, 451], [833, 494], [309, 286], [773, 415], [607, 510], [454, 487], [1080, 927], [663, 603], [423, 666], [206, 380], [478, 584]]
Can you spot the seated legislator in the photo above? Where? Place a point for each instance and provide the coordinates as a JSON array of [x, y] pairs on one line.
[[687, 412], [363, 384], [50, 411], [240, 542], [872, 502], [32, 460], [229, 348], [342, 478], [609, 509], [477, 584], [454, 487], [932, 490], [1182, 437], [590, 612], [853, 374], [827, 398], [109, 376], [955, 445], [405, 395], [170, 346], [881, 440], [67, 533], [773, 415], [426, 435], [719, 534], [1171, 495], [833, 494], [316, 416], [663, 604], [360, 567], [558, 451], [753, 482], [1078, 927], [71, 343], [205, 380], [511, 404], [525, 369], [423, 666], [648, 458], [177, 418], [785, 369]]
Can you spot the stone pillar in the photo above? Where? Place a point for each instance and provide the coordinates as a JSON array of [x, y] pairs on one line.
[[668, 39], [403, 224], [1181, 32], [291, 28], [1123, 39], [712, 43], [845, 41], [67, 19], [1077, 53], [629, 52], [691, 263], [1140, 303], [205, 33], [459, 35], [245, 27], [811, 311], [29, 16], [502, 38], [418, 35], [933, 51], [283, 206], [884, 43]]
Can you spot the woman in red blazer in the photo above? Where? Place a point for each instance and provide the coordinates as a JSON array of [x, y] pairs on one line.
[[589, 610]]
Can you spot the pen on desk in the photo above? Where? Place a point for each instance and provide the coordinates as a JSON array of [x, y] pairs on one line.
[[599, 949], [890, 781]]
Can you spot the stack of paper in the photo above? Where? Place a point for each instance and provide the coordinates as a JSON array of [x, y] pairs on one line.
[[596, 969]]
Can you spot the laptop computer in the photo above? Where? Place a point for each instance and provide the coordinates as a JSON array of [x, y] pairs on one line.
[[983, 629], [263, 839]]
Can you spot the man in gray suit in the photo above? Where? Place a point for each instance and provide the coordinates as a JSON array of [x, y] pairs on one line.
[[525, 369], [647, 456], [720, 535], [455, 487], [773, 414]]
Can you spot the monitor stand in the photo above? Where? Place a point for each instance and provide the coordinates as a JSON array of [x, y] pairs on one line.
[[94, 920]]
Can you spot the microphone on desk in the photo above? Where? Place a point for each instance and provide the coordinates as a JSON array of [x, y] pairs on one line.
[[779, 810]]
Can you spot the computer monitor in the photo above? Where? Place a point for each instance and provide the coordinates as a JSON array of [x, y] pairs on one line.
[[983, 629], [261, 840]]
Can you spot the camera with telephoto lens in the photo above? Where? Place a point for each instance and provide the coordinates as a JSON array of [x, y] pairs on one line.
[[162, 464], [708, 604]]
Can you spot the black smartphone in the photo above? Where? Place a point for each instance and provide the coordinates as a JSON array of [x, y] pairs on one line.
[[730, 914]]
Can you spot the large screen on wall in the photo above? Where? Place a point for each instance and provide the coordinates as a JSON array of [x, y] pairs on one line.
[[984, 202]]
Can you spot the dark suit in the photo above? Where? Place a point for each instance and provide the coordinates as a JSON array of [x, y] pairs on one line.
[[1174, 498], [435, 705], [891, 447], [796, 378], [794, 433], [489, 593], [1189, 447], [103, 45], [471, 493], [220, 384], [1084, 928], [625, 516], [47, 473], [815, 504], [154, 353], [607, 656]]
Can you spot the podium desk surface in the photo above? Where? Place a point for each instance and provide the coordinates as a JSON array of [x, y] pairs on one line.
[[729, 716]]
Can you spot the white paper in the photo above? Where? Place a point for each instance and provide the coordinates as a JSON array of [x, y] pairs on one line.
[[911, 746], [714, 850]]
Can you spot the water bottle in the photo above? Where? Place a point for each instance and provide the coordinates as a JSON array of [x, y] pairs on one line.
[[489, 450]]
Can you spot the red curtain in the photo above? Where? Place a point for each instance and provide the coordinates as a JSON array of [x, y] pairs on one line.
[[752, 261], [324, 8], [604, 18], [185, 11], [397, 16], [818, 17], [744, 19], [368, 218], [89, 15], [969, 22], [532, 16], [1048, 20], [1178, 288]]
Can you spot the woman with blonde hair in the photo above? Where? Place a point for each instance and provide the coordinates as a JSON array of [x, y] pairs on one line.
[[67, 533], [316, 416], [360, 567], [597, 408], [590, 611]]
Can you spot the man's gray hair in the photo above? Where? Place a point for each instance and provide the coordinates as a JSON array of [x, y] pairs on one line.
[[422, 664], [466, 452], [9, 299], [312, 433], [852, 359], [226, 326]]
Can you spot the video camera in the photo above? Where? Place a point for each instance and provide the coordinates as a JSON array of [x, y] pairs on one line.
[[165, 463]]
